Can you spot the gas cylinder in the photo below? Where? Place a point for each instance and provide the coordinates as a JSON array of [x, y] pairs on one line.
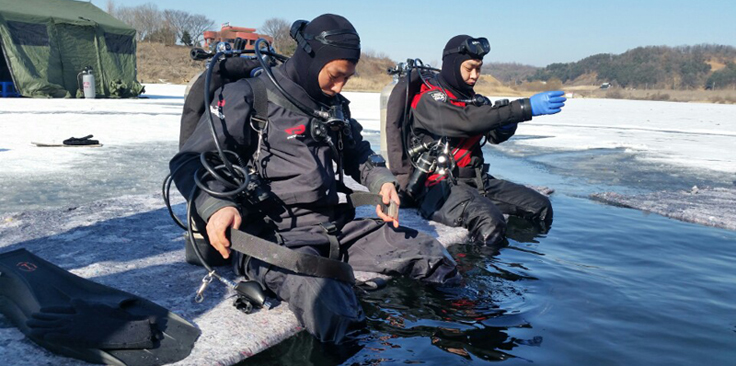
[[385, 93], [88, 83]]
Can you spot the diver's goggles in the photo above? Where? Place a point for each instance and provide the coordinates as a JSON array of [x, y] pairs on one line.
[[298, 34], [322, 38], [474, 47]]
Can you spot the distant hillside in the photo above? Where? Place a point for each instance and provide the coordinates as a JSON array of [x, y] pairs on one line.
[[662, 67], [509, 72], [159, 63], [657, 70], [370, 74]]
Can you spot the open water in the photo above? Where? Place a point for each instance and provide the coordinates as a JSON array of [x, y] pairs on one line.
[[606, 286]]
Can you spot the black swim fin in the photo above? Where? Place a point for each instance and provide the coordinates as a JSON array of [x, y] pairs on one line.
[[83, 324], [76, 317]]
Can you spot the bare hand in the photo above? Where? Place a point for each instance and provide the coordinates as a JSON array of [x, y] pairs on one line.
[[388, 194], [220, 221]]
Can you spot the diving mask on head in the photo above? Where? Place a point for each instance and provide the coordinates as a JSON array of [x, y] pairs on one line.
[[297, 33], [474, 47]]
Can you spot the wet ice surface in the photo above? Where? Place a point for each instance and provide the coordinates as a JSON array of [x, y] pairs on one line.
[[138, 135], [631, 148], [712, 206], [607, 285], [674, 159]]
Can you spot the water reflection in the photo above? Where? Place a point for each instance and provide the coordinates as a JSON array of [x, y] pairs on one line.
[[524, 231], [484, 319], [476, 320], [304, 349]]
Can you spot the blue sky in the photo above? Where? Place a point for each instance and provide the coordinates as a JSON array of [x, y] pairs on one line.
[[530, 32]]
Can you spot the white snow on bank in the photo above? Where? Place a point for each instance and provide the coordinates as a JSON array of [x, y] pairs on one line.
[[111, 121], [364, 107], [682, 134]]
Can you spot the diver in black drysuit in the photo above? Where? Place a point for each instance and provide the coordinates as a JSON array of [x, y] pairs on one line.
[[298, 168], [476, 200]]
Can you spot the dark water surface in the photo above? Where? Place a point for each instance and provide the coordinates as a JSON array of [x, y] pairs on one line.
[[606, 286]]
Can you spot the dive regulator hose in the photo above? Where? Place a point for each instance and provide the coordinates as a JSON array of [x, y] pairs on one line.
[[224, 166], [233, 176], [217, 166], [272, 78]]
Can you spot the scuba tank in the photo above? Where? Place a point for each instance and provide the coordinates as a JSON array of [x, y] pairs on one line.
[[88, 82], [385, 93]]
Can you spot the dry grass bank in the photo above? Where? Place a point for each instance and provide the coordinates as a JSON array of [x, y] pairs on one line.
[[161, 64], [367, 84]]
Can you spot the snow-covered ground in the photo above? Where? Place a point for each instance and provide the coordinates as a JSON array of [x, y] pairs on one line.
[[690, 135], [664, 140], [111, 121]]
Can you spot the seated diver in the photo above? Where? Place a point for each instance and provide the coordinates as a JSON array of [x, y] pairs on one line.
[[448, 111], [296, 163]]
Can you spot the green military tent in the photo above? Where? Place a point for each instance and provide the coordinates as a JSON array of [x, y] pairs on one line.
[[45, 44]]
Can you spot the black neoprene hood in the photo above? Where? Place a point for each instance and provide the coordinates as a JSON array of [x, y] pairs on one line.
[[330, 37], [450, 72]]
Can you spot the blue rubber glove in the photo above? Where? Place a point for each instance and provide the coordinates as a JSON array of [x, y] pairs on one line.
[[550, 102]]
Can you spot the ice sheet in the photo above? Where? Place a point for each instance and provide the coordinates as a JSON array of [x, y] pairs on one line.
[[681, 134], [688, 135]]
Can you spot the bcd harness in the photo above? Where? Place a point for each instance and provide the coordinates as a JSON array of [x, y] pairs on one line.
[[247, 186], [271, 252], [420, 161]]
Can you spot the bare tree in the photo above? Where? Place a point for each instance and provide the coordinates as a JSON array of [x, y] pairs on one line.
[[177, 20], [197, 25], [149, 19], [110, 7], [153, 25], [163, 35], [146, 19], [127, 16], [278, 29]]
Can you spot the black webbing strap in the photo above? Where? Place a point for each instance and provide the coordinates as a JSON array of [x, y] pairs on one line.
[[479, 173], [260, 102], [264, 92], [276, 97], [280, 256], [331, 231], [357, 199]]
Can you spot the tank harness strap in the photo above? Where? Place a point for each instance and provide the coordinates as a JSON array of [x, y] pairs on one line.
[[331, 231], [264, 92], [260, 102], [280, 256], [479, 173], [342, 188]]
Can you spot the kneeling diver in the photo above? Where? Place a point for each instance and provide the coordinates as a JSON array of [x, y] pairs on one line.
[[447, 115], [293, 154]]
